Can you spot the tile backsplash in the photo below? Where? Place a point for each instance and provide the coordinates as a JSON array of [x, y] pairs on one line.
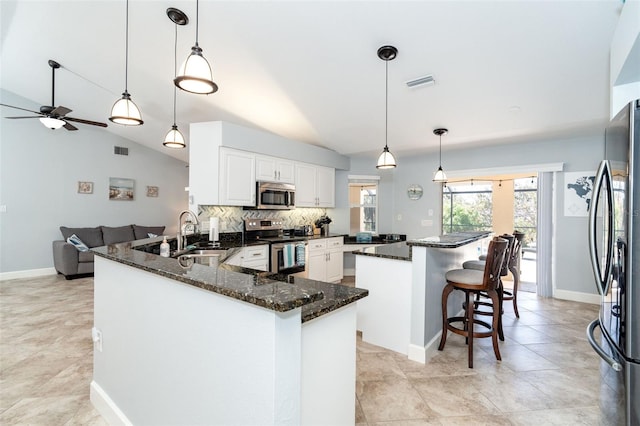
[[231, 218]]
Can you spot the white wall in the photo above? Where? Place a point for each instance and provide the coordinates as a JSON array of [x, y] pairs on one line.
[[573, 272], [39, 172]]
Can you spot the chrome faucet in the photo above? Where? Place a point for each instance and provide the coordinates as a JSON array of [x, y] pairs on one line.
[[182, 239]]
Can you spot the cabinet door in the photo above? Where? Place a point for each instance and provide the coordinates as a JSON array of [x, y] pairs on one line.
[[325, 186], [335, 263], [237, 178], [266, 168], [306, 185], [317, 265], [286, 171]]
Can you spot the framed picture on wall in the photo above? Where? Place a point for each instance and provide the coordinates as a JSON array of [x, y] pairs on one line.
[[121, 189], [85, 187], [152, 191]]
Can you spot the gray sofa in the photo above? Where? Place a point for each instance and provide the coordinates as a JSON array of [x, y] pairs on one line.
[[73, 263]]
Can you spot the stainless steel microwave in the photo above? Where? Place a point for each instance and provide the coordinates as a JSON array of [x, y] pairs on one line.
[[275, 196]]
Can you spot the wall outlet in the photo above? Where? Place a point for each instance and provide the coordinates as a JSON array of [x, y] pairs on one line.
[[96, 335], [427, 222], [399, 217], [3, 209], [430, 212]]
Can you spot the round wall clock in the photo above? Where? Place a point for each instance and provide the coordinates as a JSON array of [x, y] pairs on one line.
[[414, 191]]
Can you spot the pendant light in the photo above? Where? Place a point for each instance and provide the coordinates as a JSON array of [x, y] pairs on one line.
[[195, 74], [386, 159], [124, 111], [175, 139], [439, 175]]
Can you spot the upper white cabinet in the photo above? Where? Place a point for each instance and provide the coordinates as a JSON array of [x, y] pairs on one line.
[[274, 169], [237, 178], [315, 185]]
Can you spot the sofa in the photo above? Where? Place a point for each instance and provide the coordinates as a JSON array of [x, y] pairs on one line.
[[73, 263]]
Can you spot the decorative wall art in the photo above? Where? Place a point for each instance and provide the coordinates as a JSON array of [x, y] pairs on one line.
[[414, 191], [121, 189], [152, 191], [578, 188], [85, 187]]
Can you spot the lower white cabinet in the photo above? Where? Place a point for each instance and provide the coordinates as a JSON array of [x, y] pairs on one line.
[[326, 259], [253, 257]]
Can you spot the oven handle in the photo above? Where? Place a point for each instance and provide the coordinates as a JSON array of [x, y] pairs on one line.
[[596, 347]]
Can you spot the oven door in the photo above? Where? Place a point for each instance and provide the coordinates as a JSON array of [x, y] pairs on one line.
[[289, 258]]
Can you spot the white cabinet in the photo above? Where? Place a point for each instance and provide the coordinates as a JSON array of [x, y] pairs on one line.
[[274, 169], [253, 257], [315, 185], [325, 259], [237, 178]]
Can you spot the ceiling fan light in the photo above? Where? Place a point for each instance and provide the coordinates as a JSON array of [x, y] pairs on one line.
[[174, 138], [52, 123], [125, 112], [439, 175], [195, 74], [386, 160]]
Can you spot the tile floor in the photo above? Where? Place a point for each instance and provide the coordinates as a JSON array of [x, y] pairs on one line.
[[548, 376]]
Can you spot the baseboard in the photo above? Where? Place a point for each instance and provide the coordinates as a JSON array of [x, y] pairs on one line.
[[349, 272], [106, 407], [576, 296], [422, 355], [29, 273]]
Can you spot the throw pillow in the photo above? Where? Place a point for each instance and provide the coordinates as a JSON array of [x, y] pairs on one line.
[[77, 243]]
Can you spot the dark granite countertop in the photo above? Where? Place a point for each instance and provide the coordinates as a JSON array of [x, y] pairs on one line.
[[397, 251], [453, 240], [271, 291]]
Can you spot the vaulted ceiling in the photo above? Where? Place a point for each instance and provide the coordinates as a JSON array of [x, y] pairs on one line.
[[308, 70]]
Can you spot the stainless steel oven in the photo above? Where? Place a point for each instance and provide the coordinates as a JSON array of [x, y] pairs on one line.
[[290, 258], [275, 196]]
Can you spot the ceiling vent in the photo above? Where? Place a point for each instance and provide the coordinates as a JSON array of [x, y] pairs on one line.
[[426, 80], [120, 150]]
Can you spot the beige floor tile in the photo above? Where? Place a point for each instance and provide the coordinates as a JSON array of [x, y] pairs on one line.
[[476, 421], [563, 417], [454, 396], [392, 400]]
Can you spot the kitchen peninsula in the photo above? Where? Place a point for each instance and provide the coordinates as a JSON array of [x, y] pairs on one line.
[[405, 281], [219, 344]]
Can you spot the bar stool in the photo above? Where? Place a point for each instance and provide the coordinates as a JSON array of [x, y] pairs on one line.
[[472, 282], [514, 266]]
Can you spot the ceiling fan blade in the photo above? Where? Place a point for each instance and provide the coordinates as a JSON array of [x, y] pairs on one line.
[[60, 111], [69, 126], [79, 120], [31, 116], [23, 109]]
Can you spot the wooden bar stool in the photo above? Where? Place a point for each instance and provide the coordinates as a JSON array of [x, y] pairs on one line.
[[514, 266], [472, 282]]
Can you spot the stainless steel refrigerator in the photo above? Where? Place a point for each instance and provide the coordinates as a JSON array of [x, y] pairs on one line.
[[614, 245]]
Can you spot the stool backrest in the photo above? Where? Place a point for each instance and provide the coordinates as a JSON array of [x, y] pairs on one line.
[[504, 271], [516, 250], [493, 266]]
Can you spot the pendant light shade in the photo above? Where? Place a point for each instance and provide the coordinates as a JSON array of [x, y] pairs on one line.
[[386, 160], [124, 111], [439, 175], [174, 138], [195, 74]]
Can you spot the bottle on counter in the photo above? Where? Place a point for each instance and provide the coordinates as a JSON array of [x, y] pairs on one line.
[[164, 248]]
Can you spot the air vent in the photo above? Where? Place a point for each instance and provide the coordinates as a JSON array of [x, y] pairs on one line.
[[120, 150], [426, 80]]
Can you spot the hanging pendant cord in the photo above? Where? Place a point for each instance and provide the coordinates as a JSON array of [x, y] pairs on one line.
[[440, 162], [386, 100], [53, 87], [126, 54], [175, 72], [197, 15]]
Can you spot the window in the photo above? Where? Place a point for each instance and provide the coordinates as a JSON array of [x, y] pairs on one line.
[[363, 206], [525, 209], [466, 207]]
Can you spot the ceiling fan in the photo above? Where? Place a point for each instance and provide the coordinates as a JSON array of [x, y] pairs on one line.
[[55, 117]]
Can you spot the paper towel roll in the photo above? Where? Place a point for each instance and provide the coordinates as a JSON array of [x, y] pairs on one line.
[[214, 229]]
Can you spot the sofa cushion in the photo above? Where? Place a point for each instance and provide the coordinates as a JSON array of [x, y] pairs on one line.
[[119, 234], [92, 237], [142, 232]]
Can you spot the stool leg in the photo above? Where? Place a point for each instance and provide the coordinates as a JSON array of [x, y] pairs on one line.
[[470, 327], [500, 294], [516, 281], [495, 324], [445, 323]]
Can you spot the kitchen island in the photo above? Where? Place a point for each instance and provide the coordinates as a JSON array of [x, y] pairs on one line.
[[219, 344], [405, 280]]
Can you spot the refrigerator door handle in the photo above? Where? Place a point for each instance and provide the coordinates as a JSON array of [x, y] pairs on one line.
[[603, 175], [596, 347]]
